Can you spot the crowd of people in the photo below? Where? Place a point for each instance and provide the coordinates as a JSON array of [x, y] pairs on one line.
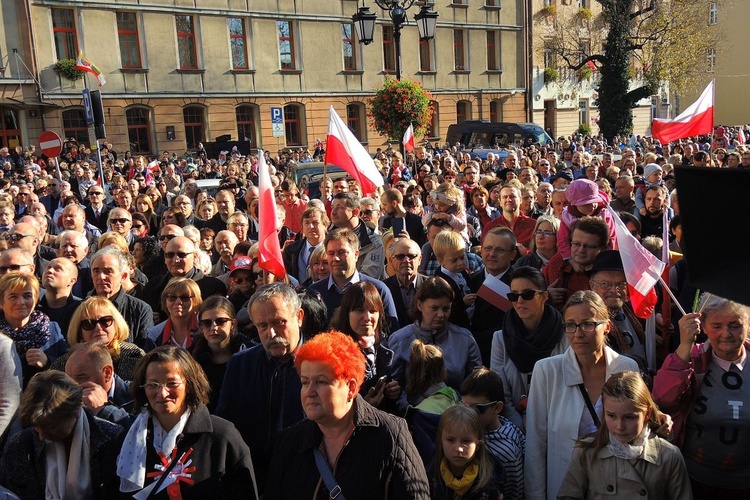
[[465, 332]]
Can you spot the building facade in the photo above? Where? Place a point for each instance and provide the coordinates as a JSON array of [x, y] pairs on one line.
[[180, 72]]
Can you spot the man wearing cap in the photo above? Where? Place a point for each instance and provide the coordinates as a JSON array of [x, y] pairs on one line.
[[563, 177], [241, 281], [521, 224]]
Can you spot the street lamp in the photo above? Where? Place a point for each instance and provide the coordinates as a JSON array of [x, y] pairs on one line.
[[364, 23]]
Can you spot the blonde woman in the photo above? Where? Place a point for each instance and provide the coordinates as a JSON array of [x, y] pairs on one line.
[[181, 298]]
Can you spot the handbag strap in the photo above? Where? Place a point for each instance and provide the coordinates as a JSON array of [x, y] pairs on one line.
[[334, 490], [590, 406]]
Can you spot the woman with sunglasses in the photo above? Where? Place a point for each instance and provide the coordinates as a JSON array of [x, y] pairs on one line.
[[98, 320], [218, 341], [181, 299], [144, 205], [532, 330]]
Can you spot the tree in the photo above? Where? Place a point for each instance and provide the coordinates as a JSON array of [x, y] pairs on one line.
[[639, 47], [396, 104]]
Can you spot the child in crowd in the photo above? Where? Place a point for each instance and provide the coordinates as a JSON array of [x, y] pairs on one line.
[[447, 203], [625, 458], [426, 389], [463, 467], [450, 251], [653, 175], [483, 391], [585, 199]]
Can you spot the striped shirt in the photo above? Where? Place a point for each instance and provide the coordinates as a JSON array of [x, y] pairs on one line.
[[507, 444]]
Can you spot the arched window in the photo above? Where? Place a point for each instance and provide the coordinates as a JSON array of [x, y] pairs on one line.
[[294, 124], [434, 129], [355, 120], [195, 130], [139, 130], [496, 111], [246, 116], [463, 111], [10, 130], [75, 126]]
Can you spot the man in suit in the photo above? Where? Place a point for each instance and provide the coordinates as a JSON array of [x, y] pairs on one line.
[[392, 203], [498, 252], [297, 254], [52, 200], [405, 258], [97, 212]]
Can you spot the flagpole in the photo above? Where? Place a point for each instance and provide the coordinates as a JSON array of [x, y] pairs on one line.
[[98, 149], [674, 299]]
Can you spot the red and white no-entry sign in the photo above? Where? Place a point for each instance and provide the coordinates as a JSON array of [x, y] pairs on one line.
[[50, 144]]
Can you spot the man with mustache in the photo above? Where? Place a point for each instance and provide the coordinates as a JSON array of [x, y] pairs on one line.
[[260, 394]]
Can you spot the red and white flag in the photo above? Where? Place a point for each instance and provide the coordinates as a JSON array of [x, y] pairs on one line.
[[345, 150], [495, 292], [697, 119], [408, 140], [741, 136], [269, 249], [642, 269]]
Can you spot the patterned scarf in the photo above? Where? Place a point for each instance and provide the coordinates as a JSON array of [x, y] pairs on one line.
[[32, 336]]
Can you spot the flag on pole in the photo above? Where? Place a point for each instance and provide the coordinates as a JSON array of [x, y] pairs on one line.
[[269, 248], [408, 140], [345, 151], [84, 64], [642, 269], [697, 119]]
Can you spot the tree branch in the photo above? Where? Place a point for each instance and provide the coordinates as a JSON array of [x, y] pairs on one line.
[[636, 95], [646, 10]]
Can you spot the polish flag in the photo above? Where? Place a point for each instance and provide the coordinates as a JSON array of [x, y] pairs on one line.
[[408, 140], [269, 249], [345, 151], [642, 269], [741, 136], [495, 292], [697, 119]]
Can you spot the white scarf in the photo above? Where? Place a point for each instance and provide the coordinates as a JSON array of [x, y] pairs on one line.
[[629, 451], [69, 476], [131, 463]]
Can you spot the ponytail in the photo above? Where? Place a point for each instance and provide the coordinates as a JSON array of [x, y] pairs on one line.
[[426, 368]]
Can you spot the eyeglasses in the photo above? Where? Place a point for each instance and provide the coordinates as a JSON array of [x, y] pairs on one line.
[[181, 298], [525, 295], [167, 237], [118, 220], [245, 279], [12, 267], [545, 234], [96, 193], [483, 407], [402, 256], [181, 255], [366, 212], [585, 326], [170, 386], [104, 322], [578, 244], [19, 236], [209, 323], [606, 285], [544, 164], [137, 226]]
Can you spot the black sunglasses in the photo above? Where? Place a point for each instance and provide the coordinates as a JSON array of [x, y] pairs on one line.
[[181, 255], [525, 295], [104, 322], [119, 220], [483, 407], [208, 323], [167, 237]]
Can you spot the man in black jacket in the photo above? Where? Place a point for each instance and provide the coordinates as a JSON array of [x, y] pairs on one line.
[[405, 259], [392, 203]]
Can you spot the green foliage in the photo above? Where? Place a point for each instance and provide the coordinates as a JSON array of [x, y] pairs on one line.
[[396, 104], [67, 68], [585, 73], [584, 129], [548, 10], [585, 14], [551, 75]]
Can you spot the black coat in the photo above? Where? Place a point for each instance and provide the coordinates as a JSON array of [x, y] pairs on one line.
[[404, 314], [487, 319], [379, 461], [101, 221], [414, 227], [23, 468]]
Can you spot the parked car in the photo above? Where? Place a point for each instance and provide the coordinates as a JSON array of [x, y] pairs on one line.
[[307, 176], [481, 134]]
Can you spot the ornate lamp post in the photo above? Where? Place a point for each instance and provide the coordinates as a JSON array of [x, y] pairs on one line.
[[364, 23]]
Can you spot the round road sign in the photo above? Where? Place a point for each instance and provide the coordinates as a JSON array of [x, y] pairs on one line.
[[50, 144]]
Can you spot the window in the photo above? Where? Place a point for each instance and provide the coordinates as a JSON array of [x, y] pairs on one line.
[[10, 132], [583, 112], [139, 129], [463, 111], [459, 50], [713, 13], [286, 45], [426, 51], [493, 51], [294, 119], [64, 30], [349, 41], [355, 114], [127, 33], [584, 4], [433, 129], [246, 121], [194, 125], [492, 3], [186, 42], [389, 50], [711, 60], [75, 126], [496, 111], [238, 43], [550, 61]]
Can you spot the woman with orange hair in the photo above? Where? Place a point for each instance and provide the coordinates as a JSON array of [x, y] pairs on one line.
[[371, 452]]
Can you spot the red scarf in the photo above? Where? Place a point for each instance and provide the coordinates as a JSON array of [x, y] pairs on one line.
[[167, 335]]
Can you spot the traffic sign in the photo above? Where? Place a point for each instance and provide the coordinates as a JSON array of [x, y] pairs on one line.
[[87, 107], [277, 122], [50, 144]]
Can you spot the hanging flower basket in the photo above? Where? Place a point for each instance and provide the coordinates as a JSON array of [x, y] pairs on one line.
[[67, 68]]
